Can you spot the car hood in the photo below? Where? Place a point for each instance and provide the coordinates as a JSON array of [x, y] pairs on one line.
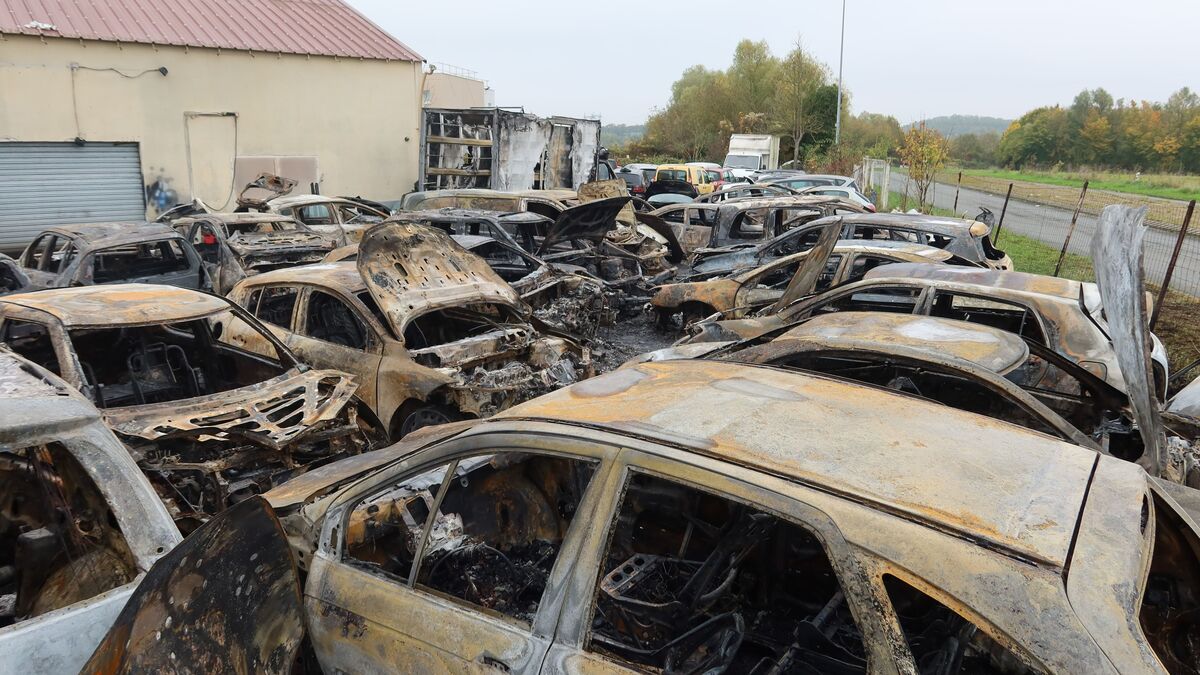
[[263, 413], [409, 268], [590, 221], [274, 186]]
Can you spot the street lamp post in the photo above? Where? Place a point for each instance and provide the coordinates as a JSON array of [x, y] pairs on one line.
[[837, 125]]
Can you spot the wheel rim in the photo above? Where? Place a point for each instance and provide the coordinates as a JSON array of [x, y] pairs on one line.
[[425, 417]]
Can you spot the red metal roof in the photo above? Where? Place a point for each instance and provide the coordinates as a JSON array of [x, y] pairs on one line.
[[319, 27]]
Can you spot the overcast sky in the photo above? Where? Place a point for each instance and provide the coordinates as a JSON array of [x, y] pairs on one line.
[[908, 58]]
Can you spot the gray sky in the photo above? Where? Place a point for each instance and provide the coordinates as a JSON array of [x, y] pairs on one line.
[[911, 59]]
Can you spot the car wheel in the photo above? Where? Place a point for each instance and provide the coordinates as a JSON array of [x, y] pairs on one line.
[[425, 416]]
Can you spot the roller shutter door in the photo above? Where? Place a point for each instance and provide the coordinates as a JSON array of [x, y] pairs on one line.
[[43, 184]]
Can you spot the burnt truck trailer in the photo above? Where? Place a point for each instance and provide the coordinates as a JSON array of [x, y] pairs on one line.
[[505, 150]]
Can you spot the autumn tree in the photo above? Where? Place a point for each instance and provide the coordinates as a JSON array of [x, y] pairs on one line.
[[925, 151], [800, 77]]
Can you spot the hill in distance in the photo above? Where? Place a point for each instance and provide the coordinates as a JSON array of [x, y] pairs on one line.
[[616, 134], [960, 125]]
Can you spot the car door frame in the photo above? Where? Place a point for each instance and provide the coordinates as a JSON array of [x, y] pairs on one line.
[[371, 356], [568, 653], [331, 580]]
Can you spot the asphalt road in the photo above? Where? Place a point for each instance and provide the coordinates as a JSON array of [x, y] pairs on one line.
[[1049, 224]]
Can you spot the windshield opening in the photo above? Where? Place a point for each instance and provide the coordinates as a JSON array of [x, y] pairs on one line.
[[742, 162], [136, 365]]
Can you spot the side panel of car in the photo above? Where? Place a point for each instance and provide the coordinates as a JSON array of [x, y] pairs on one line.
[[440, 608], [329, 332]]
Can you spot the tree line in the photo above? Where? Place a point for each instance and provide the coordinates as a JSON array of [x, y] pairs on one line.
[[794, 97]]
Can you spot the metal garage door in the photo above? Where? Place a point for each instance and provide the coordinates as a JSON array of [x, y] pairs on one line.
[[44, 184]]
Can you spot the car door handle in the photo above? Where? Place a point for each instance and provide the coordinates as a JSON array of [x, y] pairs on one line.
[[491, 661]]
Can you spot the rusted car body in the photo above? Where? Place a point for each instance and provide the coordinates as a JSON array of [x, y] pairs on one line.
[[429, 329], [112, 253], [700, 516], [208, 420], [338, 217], [12, 277], [548, 203], [1063, 315], [740, 294], [966, 239], [234, 246], [79, 523], [744, 222]]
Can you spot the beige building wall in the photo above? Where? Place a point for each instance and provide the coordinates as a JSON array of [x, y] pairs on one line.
[[443, 90], [358, 118]]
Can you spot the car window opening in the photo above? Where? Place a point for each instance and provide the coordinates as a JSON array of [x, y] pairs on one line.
[[1170, 613], [59, 542], [692, 582], [941, 641]]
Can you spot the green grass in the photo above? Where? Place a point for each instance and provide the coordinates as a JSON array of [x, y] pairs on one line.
[[1166, 186]]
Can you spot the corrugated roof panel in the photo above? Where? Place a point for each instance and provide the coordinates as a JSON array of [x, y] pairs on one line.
[[318, 27]]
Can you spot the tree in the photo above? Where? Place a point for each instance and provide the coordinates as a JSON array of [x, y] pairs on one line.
[[924, 151], [799, 78]]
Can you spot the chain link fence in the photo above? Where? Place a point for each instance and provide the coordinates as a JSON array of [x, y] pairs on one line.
[[1035, 222]]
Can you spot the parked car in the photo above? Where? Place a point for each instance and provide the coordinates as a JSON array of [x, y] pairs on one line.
[[79, 523], [801, 180], [234, 246], [209, 421], [695, 176], [707, 228], [635, 182], [736, 190], [842, 192], [966, 239], [740, 294], [1061, 314], [109, 253], [431, 332], [652, 519], [342, 218]]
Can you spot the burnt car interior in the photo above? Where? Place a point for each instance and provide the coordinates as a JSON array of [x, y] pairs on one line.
[[490, 538], [695, 583], [9, 281], [59, 542], [144, 259], [898, 300], [1006, 316], [1170, 613], [443, 326], [941, 385], [941, 641], [136, 365]]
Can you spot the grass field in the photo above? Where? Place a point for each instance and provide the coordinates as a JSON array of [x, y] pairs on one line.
[[1177, 325], [1165, 186]]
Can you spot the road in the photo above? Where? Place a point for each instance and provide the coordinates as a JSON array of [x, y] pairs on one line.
[[1049, 224]]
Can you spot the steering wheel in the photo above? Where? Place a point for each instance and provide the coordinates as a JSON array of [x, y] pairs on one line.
[[707, 649]]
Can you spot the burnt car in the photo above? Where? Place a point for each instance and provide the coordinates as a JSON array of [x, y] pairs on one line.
[[339, 217], [705, 229], [701, 295], [79, 524], [429, 329], [12, 277], [209, 421], [112, 253], [966, 239], [745, 191], [711, 517], [1063, 315], [548, 203], [234, 246]]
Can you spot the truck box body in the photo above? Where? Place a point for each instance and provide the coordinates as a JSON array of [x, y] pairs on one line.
[[753, 152], [505, 150]]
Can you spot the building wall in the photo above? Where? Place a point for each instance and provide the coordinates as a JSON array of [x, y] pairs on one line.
[[358, 118], [451, 91]]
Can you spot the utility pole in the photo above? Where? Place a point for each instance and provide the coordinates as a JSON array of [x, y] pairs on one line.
[[837, 125]]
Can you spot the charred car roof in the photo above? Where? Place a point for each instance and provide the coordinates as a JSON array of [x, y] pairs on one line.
[[120, 304], [338, 274], [809, 429], [990, 348], [1021, 282], [102, 235], [935, 224]]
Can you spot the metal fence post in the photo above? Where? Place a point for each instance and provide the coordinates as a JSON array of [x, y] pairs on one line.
[[1162, 292], [904, 203], [1071, 230], [887, 186], [956, 188], [1003, 210]]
